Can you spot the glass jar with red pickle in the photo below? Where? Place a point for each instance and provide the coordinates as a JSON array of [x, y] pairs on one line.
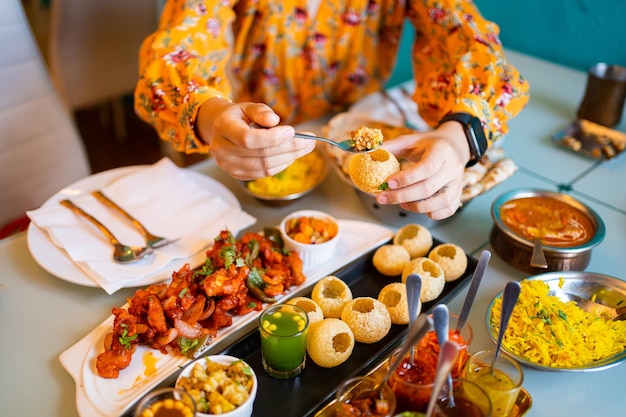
[[352, 402], [413, 382]]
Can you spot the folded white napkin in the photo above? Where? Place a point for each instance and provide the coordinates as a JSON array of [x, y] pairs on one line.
[[376, 106], [166, 200]]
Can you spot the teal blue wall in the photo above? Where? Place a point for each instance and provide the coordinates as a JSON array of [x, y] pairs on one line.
[[573, 33]]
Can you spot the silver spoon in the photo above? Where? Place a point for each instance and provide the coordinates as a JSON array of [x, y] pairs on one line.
[[447, 356], [441, 321], [422, 325], [481, 267], [121, 253], [538, 257], [345, 145], [509, 298], [413, 291]]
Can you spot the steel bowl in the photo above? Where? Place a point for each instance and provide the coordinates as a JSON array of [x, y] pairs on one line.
[[517, 250], [280, 200]]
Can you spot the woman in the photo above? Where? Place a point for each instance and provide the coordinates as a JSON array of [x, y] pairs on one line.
[[286, 61]]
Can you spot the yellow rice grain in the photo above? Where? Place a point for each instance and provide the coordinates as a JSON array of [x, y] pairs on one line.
[[549, 332]]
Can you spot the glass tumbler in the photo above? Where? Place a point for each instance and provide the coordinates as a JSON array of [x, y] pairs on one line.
[[503, 385], [604, 96], [166, 402], [283, 329]]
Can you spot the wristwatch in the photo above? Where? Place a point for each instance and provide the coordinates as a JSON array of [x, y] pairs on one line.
[[474, 133]]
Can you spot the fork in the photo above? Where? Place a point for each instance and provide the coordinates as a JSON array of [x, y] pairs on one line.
[[121, 253], [151, 240]]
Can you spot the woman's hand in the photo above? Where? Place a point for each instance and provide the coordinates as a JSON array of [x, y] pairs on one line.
[[247, 152], [432, 185]]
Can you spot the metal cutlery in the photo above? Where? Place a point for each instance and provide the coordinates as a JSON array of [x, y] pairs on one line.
[[152, 241], [485, 256], [121, 253], [345, 145], [592, 307], [538, 257]]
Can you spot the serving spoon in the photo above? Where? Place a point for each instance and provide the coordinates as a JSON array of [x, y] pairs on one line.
[[538, 257], [121, 253], [441, 320], [509, 299], [447, 356], [593, 307], [413, 291]]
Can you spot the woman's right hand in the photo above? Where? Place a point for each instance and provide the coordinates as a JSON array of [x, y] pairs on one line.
[[247, 152]]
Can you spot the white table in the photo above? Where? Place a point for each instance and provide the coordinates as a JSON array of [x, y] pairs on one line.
[[41, 315]]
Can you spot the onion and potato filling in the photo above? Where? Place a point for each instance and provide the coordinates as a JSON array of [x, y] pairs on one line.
[[366, 138]]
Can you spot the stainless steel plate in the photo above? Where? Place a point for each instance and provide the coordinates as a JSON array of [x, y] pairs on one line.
[[603, 289], [591, 140]]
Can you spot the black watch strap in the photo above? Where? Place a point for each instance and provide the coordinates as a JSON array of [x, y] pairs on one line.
[[474, 134]]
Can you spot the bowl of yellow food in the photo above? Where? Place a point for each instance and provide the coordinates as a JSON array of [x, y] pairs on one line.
[[220, 385], [296, 181]]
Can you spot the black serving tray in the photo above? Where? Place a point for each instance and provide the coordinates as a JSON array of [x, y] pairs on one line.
[[316, 386]]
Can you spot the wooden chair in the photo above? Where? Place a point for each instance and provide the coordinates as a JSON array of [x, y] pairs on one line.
[[94, 52]]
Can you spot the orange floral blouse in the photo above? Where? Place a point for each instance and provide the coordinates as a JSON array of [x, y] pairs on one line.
[[304, 66]]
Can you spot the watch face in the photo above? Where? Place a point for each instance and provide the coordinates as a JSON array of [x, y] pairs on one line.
[[478, 137]]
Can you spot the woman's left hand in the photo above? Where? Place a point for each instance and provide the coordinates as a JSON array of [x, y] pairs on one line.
[[433, 184]]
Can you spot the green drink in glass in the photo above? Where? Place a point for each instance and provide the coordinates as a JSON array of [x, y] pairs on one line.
[[283, 329]]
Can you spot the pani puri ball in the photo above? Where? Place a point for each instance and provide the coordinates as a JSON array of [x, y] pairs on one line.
[[330, 342], [369, 171], [433, 279], [451, 258], [393, 296], [391, 259], [416, 238], [313, 310], [368, 319], [331, 294]]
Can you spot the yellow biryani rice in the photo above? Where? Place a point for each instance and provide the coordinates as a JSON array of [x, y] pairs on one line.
[[549, 332], [300, 176]]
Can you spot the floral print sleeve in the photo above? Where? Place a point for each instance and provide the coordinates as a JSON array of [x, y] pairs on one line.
[[459, 66], [305, 66], [181, 66]]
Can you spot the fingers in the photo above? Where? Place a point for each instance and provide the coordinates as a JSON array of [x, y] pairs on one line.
[[261, 114], [263, 149]]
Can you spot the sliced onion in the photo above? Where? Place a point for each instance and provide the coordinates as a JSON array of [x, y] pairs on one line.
[[167, 338], [186, 330]]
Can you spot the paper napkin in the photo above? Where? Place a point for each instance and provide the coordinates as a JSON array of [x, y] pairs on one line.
[[166, 200]]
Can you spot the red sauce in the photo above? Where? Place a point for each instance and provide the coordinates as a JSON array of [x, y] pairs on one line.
[[553, 221], [412, 383]]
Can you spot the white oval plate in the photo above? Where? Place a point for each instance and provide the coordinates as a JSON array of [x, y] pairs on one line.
[[56, 261]]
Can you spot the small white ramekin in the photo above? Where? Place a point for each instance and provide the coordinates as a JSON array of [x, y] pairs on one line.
[[311, 254]]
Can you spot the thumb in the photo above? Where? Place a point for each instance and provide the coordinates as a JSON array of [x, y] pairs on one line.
[[261, 114]]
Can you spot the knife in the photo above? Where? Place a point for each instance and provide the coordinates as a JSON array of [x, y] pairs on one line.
[[485, 256]]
